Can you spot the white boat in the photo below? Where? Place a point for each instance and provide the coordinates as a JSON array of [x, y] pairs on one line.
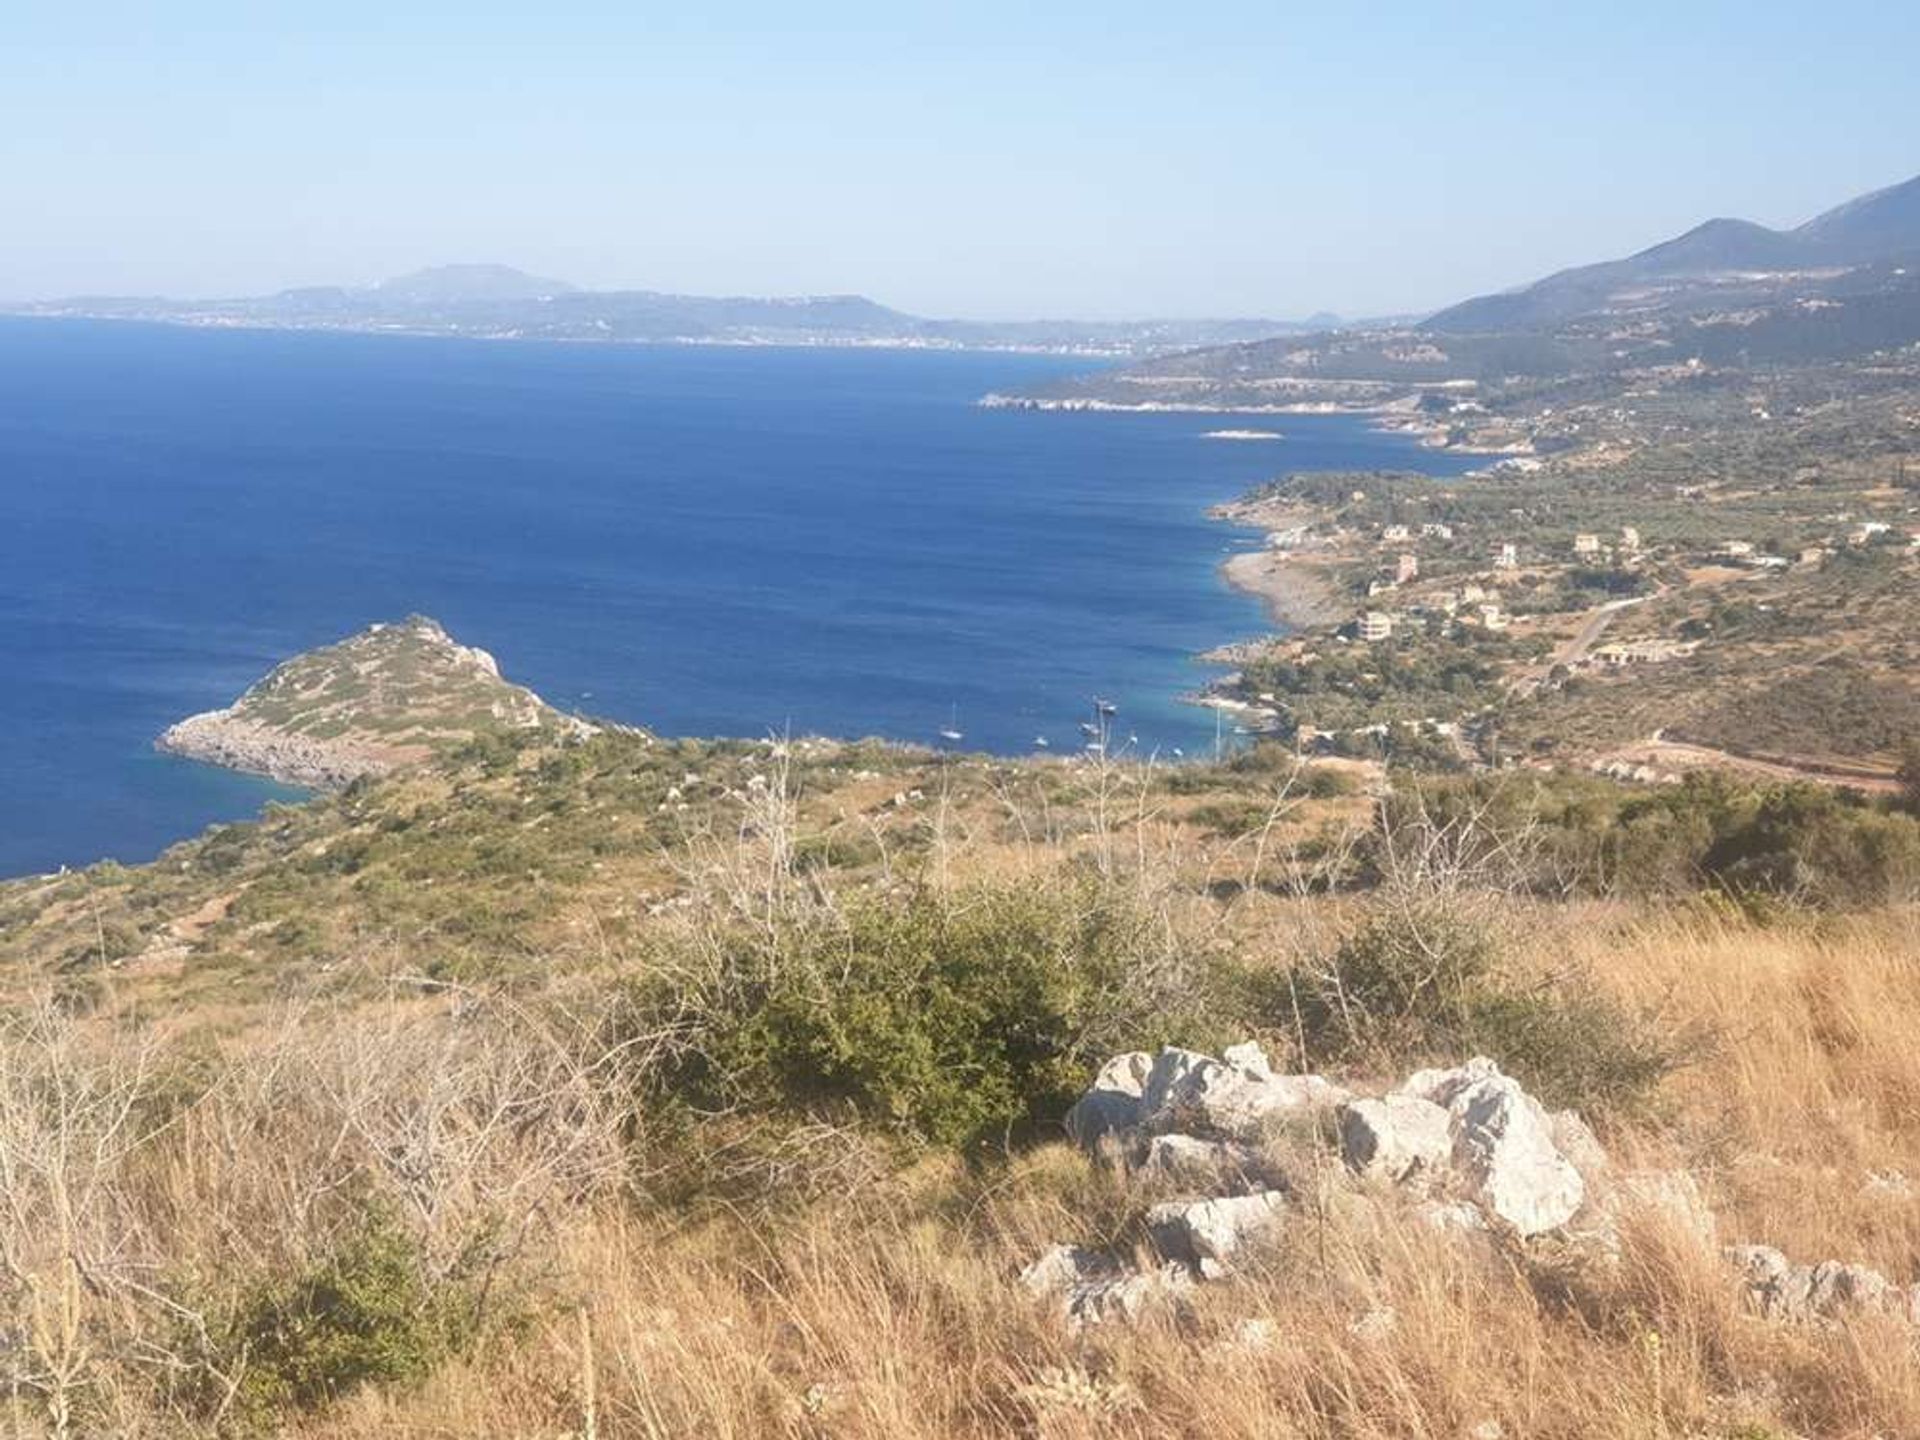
[[953, 734], [1041, 741]]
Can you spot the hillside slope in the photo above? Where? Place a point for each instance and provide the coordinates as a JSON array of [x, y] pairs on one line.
[[652, 1088], [1702, 266]]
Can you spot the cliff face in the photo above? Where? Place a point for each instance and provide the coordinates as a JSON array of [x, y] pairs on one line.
[[390, 696]]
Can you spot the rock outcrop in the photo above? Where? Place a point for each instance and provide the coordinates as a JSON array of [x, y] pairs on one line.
[[1504, 1153], [1470, 1155], [1090, 1287], [1239, 1099], [1810, 1294], [1398, 1138], [1208, 1234]]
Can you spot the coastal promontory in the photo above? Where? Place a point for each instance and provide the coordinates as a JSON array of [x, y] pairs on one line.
[[390, 696]]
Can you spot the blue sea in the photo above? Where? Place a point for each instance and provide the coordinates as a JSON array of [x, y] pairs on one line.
[[704, 541]]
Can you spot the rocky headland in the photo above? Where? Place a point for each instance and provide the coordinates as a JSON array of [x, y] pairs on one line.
[[392, 695]]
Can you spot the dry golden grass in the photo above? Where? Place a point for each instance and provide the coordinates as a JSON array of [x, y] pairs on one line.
[[892, 1311], [163, 1166]]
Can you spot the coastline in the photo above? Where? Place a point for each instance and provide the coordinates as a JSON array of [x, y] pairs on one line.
[[222, 738], [1394, 416], [1296, 593]]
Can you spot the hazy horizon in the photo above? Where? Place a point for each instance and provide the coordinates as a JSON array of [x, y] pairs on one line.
[[996, 165]]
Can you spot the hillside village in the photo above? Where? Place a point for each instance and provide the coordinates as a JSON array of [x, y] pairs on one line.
[[1515, 612]]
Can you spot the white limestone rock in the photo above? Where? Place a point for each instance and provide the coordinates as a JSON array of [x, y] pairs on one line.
[[1248, 1056], [1061, 1267], [1810, 1294], [1208, 1234], [1112, 1104], [1092, 1288], [1573, 1138], [1191, 1092], [1441, 1086], [1503, 1152], [1195, 1161], [1400, 1138]]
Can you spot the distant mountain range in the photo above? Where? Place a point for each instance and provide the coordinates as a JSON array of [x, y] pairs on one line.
[[1728, 291], [1727, 294], [1718, 264], [498, 302]]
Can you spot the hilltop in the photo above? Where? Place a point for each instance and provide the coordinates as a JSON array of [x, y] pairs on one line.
[[1726, 296], [1716, 264], [390, 696]]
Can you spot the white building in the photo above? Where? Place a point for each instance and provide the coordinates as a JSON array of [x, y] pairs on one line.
[[1586, 545], [1407, 568], [1507, 557], [1376, 625]]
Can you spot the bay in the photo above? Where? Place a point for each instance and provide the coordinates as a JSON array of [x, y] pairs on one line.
[[727, 541]]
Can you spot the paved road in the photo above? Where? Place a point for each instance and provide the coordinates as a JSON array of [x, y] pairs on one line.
[[1583, 640], [1592, 629]]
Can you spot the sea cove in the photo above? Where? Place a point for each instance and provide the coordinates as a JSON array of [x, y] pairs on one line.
[[701, 540]]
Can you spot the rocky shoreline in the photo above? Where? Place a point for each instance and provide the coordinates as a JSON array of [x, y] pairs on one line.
[[220, 737], [1296, 594]]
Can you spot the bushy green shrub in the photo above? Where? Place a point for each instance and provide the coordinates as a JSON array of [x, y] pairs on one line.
[[950, 1018], [367, 1313], [1576, 1046], [1428, 983], [1809, 844]]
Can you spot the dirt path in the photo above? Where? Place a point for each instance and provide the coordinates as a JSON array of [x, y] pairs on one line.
[[1678, 756]]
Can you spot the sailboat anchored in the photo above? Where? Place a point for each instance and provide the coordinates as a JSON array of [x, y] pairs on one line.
[[953, 734]]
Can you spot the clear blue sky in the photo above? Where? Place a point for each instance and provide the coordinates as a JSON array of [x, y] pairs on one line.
[[989, 159]]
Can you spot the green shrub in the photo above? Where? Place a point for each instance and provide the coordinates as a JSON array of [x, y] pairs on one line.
[[1234, 817], [845, 850], [1575, 1046], [109, 940], [366, 1314], [1427, 983], [1799, 842], [944, 1018], [1394, 984]]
